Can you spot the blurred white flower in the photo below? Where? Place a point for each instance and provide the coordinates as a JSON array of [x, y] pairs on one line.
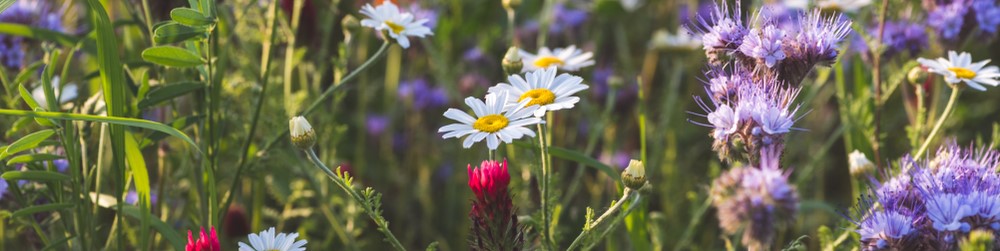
[[859, 163], [542, 88], [67, 93], [494, 121], [386, 17], [664, 40], [268, 241], [631, 5], [959, 68], [843, 5], [567, 59]]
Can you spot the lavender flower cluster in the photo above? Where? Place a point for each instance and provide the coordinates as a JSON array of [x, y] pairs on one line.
[[953, 19], [752, 83], [786, 46], [35, 13], [930, 205]]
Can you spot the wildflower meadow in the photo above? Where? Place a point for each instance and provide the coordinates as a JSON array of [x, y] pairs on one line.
[[291, 125]]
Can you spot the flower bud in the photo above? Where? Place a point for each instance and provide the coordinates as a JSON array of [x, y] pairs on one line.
[[917, 75], [634, 175], [512, 63], [301, 132], [859, 164], [511, 4]]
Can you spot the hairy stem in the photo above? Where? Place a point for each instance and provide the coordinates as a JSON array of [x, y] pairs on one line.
[[955, 91]]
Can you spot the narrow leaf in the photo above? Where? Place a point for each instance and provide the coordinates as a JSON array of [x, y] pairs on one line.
[[28, 158], [141, 123], [28, 211], [34, 176], [27, 142], [575, 156], [4, 4], [172, 56]]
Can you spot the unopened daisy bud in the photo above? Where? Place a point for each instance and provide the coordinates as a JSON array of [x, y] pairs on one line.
[[917, 75], [512, 63], [301, 132], [634, 175], [979, 240], [859, 164], [511, 4]]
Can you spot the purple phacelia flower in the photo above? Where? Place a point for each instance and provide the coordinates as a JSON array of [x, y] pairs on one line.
[[764, 45], [3, 188], [902, 36], [35, 13], [376, 124], [987, 14], [948, 19], [430, 15], [885, 230], [722, 31], [422, 95], [819, 35], [756, 200], [566, 18], [947, 211]]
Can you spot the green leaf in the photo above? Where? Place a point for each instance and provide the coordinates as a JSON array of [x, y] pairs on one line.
[[133, 154], [28, 158], [27, 97], [27, 142], [174, 32], [169, 92], [575, 156], [141, 123], [28, 211], [35, 176], [172, 56], [190, 17]]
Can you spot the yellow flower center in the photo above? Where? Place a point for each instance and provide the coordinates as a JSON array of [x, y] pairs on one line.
[[396, 28], [546, 61], [490, 123], [540, 96], [962, 72]]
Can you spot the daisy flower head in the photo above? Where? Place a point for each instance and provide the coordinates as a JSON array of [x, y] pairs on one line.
[[543, 88], [494, 121], [851, 6], [268, 241], [399, 25], [567, 59], [959, 68]]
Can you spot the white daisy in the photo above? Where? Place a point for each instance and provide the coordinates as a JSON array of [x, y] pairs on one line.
[[267, 241], [494, 121], [843, 5], [683, 40], [542, 88], [567, 59], [399, 24], [959, 68]]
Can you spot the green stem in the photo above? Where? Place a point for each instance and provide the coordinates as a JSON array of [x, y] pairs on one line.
[[543, 187], [612, 210], [955, 91], [383, 225], [329, 92]]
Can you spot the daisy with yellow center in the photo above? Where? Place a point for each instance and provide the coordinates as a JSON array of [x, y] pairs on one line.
[[494, 121], [959, 68], [543, 88], [399, 25], [567, 59]]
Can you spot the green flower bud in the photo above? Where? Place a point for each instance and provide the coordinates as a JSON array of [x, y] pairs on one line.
[[917, 75], [512, 63], [301, 132], [634, 175]]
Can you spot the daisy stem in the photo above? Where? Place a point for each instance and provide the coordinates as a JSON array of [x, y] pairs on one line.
[[955, 91], [383, 225], [543, 186]]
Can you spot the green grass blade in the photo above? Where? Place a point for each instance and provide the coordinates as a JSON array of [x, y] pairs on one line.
[[4, 4], [575, 156], [28, 211], [140, 123], [34, 176], [140, 174]]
